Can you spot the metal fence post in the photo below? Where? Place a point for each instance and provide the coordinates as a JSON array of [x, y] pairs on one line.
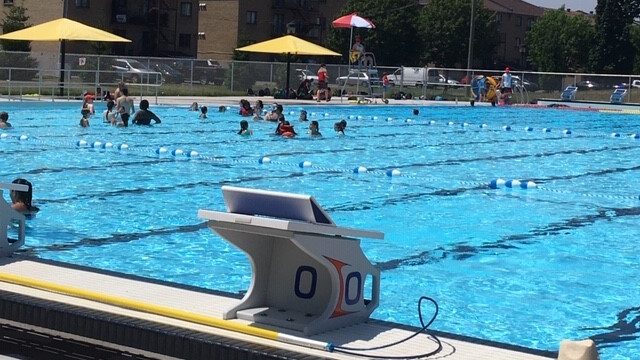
[[232, 70], [9, 82]]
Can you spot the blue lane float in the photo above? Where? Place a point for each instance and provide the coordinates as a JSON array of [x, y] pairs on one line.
[[496, 183], [483, 126], [81, 143], [264, 160], [393, 172], [96, 144], [177, 152], [191, 153], [528, 128], [615, 135], [23, 137], [4, 136], [566, 131], [162, 150], [123, 147], [546, 130], [360, 170], [432, 122], [511, 184], [304, 164], [635, 136], [506, 128]]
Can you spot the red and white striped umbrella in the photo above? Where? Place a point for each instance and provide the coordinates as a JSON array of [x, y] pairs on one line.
[[351, 21]]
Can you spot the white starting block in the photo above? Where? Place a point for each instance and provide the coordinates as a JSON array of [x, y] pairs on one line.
[[8, 217], [308, 274]]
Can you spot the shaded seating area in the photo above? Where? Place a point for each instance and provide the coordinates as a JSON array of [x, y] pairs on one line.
[[569, 93], [618, 95]]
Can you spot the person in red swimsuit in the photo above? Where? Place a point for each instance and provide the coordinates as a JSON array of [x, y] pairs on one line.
[[322, 83]]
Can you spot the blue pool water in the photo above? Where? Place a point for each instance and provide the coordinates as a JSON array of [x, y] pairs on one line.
[[526, 267]]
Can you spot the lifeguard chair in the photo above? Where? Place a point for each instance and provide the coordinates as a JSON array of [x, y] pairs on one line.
[[309, 275], [8, 219]]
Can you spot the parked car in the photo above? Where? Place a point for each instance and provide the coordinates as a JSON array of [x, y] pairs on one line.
[[204, 71], [131, 70], [354, 77], [587, 85], [169, 74]]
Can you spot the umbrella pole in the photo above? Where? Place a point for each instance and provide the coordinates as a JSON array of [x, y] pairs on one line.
[[62, 51], [288, 73]]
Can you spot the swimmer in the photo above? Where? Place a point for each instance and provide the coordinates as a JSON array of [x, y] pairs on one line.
[[84, 121], [144, 115], [109, 115], [416, 112], [222, 108], [4, 120], [340, 126], [194, 106], [303, 115], [314, 129], [244, 128], [21, 200], [203, 112]]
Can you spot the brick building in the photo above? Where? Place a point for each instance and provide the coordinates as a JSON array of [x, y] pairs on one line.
[[156, 27], [515, 18], [224, 24]]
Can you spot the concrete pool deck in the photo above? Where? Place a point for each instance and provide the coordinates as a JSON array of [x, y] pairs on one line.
[[78, 319]]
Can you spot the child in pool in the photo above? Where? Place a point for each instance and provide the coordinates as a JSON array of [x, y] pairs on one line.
[[244, 128], [84, 121], [314, 129]]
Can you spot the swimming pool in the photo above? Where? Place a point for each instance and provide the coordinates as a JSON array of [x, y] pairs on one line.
[[527, 267]]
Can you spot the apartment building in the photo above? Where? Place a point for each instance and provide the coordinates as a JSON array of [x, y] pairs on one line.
[[225, 24], [515, 18], [156, 27]]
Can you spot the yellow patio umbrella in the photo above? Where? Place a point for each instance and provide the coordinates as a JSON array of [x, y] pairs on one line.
[[289, 45], [62, 30]]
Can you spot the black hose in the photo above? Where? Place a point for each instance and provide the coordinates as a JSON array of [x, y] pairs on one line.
[[357, 351]]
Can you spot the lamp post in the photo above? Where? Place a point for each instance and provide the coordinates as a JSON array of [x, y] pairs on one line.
[[62, 51], [471, 28]]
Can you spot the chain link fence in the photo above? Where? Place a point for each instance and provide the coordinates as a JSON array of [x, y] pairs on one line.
[[27, 74]]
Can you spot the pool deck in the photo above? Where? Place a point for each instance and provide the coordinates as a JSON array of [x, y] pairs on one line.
[[213, 101], [49, 305]]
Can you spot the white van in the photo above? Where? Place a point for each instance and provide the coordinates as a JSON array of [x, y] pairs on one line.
[[408, 76]]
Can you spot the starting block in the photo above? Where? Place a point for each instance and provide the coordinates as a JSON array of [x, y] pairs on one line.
[[309, 275]]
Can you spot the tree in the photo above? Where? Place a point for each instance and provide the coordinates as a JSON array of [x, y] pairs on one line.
[[560, 42], [445, 28], [393, 41], [635, 39], [16, 53], [613, 51], [15, 19]]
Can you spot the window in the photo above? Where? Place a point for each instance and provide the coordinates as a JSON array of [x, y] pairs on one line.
[[278, 24], [518, 43], [203, 6], [82, 3], [530, 24], [201, 36], [518, 20], [184, 40], [185, 8], [8, 2], [252, 17]]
